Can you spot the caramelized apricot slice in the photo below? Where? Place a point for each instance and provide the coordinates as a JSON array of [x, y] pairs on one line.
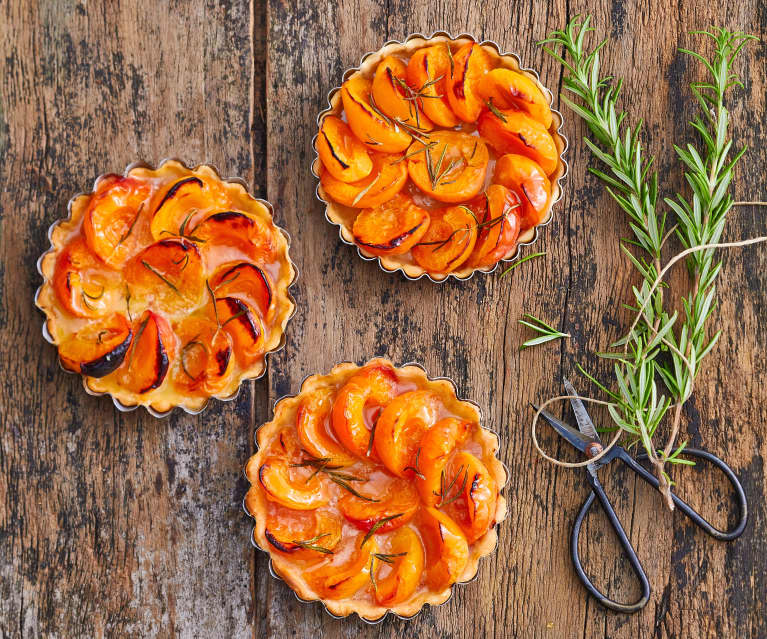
[[478, 498], [406, 555], [184, 204], [527, 178], [433, 453], [243, 325], [447, 551], [98, 348], [79, 281], [205, 360], [149, 357], [303, 533], [342, 154], [387, 178], [343, 580], [246, 281], [448, 242], [507, 89], [374, 129], [110, 221], [167, 275], [400, 427], [391, 228], [393, 96], [372, 386], [517, 132], [470, 63], [280, 487], [387, 503], [427, 74], [451, 167], [236, 229], [312, 419], [499, 229]]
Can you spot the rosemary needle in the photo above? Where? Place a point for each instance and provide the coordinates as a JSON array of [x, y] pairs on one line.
[[524, 259]]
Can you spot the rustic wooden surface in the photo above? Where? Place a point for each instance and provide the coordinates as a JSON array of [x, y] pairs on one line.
[[122, 525]]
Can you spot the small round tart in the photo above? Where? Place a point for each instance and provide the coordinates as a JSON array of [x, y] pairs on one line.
[[165, 287], [427, 125], [375, 489]]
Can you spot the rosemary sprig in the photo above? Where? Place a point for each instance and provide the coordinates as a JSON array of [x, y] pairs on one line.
[[547, 332], [523, 260], [445, 498], [182, 229], [377, 525], [137, 339], [310, 544], [151, 268], [388, 558], [414, 467], [653, 349], [323, 465]]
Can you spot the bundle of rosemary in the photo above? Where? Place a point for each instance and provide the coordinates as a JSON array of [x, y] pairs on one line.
[[657, 361]]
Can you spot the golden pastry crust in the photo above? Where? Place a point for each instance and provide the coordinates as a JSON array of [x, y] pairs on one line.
[[60, 323], [344, 216], [285, 413]]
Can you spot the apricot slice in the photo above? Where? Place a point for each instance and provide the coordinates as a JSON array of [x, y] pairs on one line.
[[394, 97], [79, 281], [343, 580], [396, 501], [342, 154], [371, 126], [312, 418], [235, 229], [434, 451], [517, 132], [98, 348], [405, 558], [478, 499], [110, 221], [427, 73], [205, 359], [449, 240], [372, 386], [303, 533], [167, 275], [184, 204], [244, 280], [400, 427], [447, 551], [149, 357], [391, 228], [470, 63], [507, 89], [451, 167], [280, 487], [243, 325], [387, 178], [526, 177], [499, 229]]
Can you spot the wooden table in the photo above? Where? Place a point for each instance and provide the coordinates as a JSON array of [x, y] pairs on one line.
[[123, 525]]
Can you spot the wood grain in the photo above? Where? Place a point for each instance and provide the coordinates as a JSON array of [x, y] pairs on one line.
[[118, 524]]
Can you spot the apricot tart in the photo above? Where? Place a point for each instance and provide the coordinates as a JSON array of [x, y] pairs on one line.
[[439, 156], [375, 489], [165, 287]]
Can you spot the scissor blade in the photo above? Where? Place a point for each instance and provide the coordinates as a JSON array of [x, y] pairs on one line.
[[575, 437], [585, 424]]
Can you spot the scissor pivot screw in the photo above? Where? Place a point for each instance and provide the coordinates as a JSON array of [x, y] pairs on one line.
[[594, 449]]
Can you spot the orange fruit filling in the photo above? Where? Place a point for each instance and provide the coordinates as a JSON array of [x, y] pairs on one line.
[[166, 286], [374, 488], [424, 129]]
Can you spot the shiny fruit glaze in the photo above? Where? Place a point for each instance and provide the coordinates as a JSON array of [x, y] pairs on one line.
[[375, 489], [166, 287], [429, 127]]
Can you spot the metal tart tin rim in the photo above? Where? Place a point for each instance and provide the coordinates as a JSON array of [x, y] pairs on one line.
[[126, 408], [509, 260], [374, 622]]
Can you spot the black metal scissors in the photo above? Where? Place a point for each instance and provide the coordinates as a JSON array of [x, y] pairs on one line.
[[587, 441]]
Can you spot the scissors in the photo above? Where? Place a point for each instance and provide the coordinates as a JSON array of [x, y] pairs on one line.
[[587, 441]]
